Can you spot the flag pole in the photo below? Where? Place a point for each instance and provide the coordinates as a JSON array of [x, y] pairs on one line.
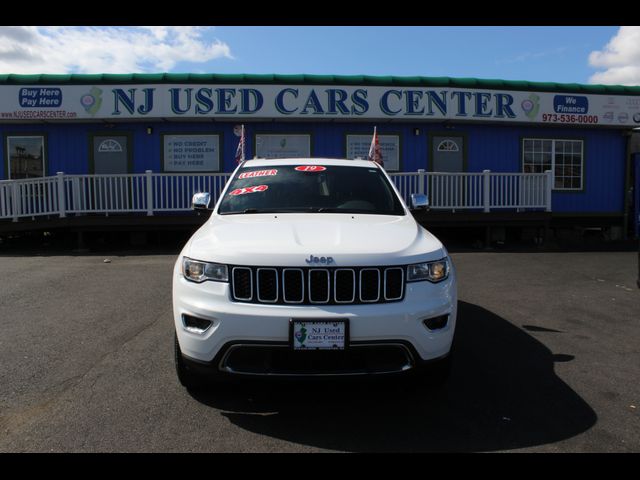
[[240, 156], [375, 154]]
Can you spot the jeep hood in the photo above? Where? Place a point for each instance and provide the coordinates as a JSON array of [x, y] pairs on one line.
[[288, 239]]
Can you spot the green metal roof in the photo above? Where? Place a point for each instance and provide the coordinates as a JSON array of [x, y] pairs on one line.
[[214, 78]]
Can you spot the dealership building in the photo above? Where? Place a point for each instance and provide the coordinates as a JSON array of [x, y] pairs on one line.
[[567, 150]]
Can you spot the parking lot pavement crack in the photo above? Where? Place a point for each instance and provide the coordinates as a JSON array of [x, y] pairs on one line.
[[18, 420], [80, 377], [145, 327]]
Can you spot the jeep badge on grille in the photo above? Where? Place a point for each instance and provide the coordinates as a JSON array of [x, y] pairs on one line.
[[322, 260]]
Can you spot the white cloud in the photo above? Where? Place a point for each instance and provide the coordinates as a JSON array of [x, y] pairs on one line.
[[105, 49], [620, 58]]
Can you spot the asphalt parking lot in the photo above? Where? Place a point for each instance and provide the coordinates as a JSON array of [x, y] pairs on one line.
[[547, 360]]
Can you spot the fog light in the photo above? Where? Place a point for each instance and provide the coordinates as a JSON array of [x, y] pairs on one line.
[[436, 323], [195, 325]]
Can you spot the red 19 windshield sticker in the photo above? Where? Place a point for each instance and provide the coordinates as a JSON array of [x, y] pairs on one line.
[[258, 173], [242, 191], [310, 168]]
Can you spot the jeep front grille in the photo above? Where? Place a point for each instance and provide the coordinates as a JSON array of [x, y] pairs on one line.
[[317, 286]]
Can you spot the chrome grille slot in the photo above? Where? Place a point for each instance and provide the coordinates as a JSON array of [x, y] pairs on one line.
[[267, 285], [293, 285], [344, 285], [319, 286], [393, 283], [242, 283], [369, 285]]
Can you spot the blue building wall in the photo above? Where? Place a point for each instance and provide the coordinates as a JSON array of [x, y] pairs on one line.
[[499, 149], [493, 147]]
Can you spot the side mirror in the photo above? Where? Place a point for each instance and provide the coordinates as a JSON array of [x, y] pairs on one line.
[[200, 201], [419, 201]]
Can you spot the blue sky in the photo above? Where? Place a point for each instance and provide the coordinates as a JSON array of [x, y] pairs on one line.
[[556, 54]]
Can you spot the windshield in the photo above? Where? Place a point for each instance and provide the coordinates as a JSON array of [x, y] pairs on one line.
[[310, 188]]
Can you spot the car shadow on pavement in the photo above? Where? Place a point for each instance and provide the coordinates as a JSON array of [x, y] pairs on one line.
[[503, 394]]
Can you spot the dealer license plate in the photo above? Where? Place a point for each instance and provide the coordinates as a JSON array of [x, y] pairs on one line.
[[319, 334]]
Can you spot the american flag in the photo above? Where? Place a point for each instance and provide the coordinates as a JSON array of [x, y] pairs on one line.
[[240, 149], [374, 150]]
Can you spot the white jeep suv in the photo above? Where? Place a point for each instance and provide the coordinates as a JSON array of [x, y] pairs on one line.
[[312, 267]]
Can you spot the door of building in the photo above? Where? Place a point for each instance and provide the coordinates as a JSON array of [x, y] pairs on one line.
[[110, 158], [447, 156], [110, 154]]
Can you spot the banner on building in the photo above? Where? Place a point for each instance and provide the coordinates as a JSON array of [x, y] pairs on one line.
[[317, 102]]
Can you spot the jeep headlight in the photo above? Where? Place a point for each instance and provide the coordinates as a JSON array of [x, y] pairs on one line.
[[431, 271], [197, 271]]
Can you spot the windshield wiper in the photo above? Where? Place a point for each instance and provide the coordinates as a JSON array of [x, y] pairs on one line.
[[341, 210], [246, 210], [259, 210], [309, 210]]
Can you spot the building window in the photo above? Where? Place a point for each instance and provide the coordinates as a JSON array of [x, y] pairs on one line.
[[26, 157], [358, 147], [283, 146], [564, 157], [448, 146], [190, 153]]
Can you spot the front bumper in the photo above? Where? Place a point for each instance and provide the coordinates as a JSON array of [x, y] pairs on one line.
[[265, 359], [234, 323]]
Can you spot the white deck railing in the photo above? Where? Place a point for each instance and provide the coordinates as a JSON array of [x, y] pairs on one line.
[[170, 192], [486, 190]]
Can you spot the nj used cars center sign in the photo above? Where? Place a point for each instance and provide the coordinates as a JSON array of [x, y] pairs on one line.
[[87, 102]]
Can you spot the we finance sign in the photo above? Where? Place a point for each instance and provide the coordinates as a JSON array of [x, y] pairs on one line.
[[313, 102]]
